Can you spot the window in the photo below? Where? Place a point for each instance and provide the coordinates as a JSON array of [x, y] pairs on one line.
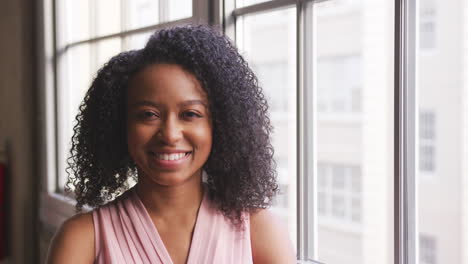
[[339, 193], [343, 94], [427, 135], [443, 132], [427, 249], [339, 6], [273, 75], [353, 128], [241, 3], [332, 117], [268, 42]]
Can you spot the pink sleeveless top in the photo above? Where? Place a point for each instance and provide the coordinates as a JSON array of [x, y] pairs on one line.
[[125, 233]]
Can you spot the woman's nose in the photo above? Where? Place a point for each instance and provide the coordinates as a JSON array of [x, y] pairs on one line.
[[170, 130]]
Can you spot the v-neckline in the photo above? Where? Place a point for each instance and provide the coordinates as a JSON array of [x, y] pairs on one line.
[[156, 239]]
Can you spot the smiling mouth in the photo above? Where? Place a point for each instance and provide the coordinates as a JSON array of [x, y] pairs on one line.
[[170, 156]]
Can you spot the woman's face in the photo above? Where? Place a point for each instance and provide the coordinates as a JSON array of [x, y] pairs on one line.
[[168, 124]]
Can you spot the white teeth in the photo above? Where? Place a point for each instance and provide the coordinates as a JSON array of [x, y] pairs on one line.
[[174, 156]]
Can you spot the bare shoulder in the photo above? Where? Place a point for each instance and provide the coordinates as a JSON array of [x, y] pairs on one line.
[[270, 239], [74, 241]]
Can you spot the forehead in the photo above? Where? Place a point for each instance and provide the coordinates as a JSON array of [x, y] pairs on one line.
[[165, 83]]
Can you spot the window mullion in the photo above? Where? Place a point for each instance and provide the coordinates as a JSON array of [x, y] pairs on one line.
[[200, 11], [124, 24], [264, 6], [307, 116], [229, 20], [301, 144], [53, 169], [163, 10], [405, 133]]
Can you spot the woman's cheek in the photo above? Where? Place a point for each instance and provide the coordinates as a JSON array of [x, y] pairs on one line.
[[137, 137], [204, 136]]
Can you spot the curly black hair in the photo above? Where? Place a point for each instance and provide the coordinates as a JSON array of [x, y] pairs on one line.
[[241, 170]]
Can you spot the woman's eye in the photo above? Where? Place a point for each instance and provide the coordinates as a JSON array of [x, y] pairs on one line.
[[148, 115], [192, 115]]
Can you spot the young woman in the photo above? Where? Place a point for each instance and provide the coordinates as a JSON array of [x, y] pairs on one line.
[[185, 118]]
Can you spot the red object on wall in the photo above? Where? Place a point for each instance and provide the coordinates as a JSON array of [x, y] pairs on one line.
[[3, 215]]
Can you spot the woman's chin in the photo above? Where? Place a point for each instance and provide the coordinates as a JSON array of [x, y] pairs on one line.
[[172, 179]]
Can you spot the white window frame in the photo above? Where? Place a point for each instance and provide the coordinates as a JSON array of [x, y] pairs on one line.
[[406, 131]]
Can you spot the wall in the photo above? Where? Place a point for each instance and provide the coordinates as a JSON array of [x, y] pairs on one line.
[[17, 118]]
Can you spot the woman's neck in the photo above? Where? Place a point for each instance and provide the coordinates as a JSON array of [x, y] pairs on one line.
[[166, 202]]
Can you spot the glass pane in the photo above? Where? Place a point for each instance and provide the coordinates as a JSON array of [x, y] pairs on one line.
[[138, 41], [427, 25], [242, 3], [107, 17], [427, 250], [141, 13], [354, 103], [356, 210], [356, 181], [268, 41], [75, 20], [442, 65], [322, 203], [338, 206], [74, 80], [179, 9], [105, 50], [338, 177]]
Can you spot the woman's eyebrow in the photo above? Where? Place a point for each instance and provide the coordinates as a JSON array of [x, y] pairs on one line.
[[146, 103], [156, 105], [193, 102]]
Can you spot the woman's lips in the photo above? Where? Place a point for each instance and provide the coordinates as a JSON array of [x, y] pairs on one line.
[[170, 160]]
